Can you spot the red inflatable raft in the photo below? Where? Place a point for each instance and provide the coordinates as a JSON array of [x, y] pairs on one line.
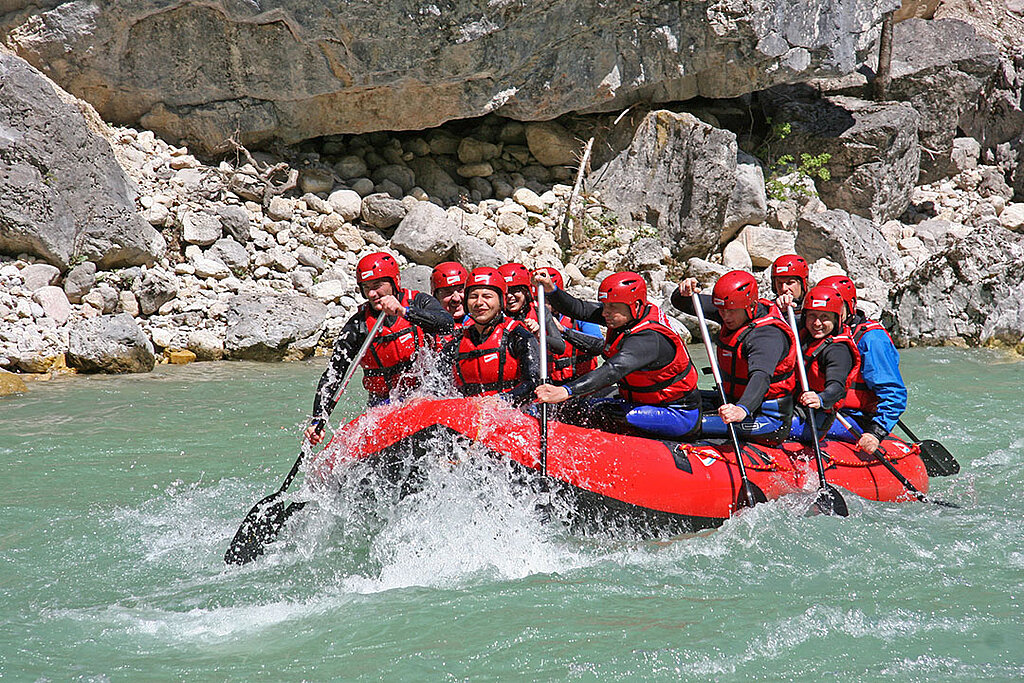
[[665, 486]]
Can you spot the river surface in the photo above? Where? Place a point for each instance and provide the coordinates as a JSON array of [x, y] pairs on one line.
[[120, 495]]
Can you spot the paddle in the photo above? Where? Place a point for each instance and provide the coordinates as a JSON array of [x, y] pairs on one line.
[[266, 517], [829, 501], [937, 460], [855, 429], [749, 494], [542, 314]]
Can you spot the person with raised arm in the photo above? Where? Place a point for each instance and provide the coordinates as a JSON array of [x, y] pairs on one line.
[[410, 318], [877, 397], [789, 281], [494, 354], [584, 341], [757, 356], [520, 305], [644, 356]]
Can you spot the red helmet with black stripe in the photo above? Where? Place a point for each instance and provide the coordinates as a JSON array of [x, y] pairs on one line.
[[624, 288], [737, 289]]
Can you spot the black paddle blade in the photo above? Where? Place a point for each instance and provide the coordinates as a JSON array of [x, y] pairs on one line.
[[831, 502], [750, 495], [259, 528], [937, 460]]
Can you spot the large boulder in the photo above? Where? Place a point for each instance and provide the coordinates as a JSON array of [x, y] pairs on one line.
[[673, 172], [154, 288], [270, 327], [874, 149], [203, 71], [972, 293], [63, 196], [111, 344], [426, 235], [855, 244]]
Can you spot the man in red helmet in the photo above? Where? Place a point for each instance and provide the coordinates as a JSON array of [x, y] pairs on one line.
[[447, 282], [831, 358], [520, 305], [493, 354], [643, 354], [789, 280], [584, 341], [757, 357], [410, 317], [878, 396]]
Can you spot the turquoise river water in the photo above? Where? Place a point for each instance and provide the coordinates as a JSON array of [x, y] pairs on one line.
[[120, 495]]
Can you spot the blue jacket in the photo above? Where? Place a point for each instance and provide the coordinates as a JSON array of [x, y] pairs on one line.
[[880, 365]]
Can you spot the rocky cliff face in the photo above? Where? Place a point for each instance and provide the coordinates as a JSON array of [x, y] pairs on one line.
[[200, 71]]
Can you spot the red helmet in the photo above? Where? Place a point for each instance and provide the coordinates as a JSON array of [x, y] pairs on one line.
[[515, 274], [555, 276], [448, 274], [486, 277], [847, 290], [624, 288], [737, 289], [377, 265], [824, 298], [790, 265]]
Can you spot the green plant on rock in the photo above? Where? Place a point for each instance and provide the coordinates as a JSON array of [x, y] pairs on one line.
[[785, 173]]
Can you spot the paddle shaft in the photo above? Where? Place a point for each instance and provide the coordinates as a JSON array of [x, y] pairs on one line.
[[906, 430], [883, 458], [542, 319], [802, 370], [713, 359]]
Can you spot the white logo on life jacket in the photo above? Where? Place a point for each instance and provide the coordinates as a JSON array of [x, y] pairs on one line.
[[489, 358], [727, 353], [406, 336]]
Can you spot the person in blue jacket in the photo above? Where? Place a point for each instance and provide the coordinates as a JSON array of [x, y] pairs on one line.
[[877, 397]]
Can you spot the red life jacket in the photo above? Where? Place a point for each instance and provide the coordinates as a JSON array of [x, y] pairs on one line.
[[859, 396], [564, 366], [390, 355], [733, 362], [488, 367], [816, 374], [665, 385]]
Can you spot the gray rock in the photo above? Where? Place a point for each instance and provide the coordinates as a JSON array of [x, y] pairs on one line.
[[473, 252], [674, 172], [210, 267], [127, 303], [346, 203], [382, 211], [201, 72], [302, 281], [964, 155], [644, 254], [206, 345], [764, 244], [973, 293], [402, 176], [426, 235], [200, 228], [855, 243], [308, 257], [873, 146], [79, 281], [103, 298], [110, 344], [153, 289], [230, 253], [235, 221], [351, 166], [273, 327], [54, 303], [417, 278], [39, 275], [63, 195], [748, 204]]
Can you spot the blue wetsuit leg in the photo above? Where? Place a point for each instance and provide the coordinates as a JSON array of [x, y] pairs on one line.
[[673, 422]]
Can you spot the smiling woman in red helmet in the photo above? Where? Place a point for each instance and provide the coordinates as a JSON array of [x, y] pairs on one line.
[[410, 316], [493, 354], [831, 357], [643, 355], [757, 357]]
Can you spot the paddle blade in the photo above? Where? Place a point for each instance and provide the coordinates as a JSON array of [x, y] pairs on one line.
[[831, 502], [938, 461], [259, 528], [750, 495]]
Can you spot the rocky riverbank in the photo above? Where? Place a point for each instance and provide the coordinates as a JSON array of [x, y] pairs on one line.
[[124, 250]]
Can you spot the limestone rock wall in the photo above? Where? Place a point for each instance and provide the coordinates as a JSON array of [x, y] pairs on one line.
[[200, 71]]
